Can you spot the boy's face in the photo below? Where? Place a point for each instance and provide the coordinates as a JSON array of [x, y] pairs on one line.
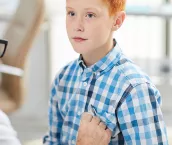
[[88, 24]]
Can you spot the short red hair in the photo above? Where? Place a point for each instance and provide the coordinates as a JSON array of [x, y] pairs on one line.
[[115, 5]]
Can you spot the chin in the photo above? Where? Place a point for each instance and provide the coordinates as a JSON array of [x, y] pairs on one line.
[[81, 50]]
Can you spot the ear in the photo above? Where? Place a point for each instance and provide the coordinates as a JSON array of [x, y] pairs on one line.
[[118, 20]]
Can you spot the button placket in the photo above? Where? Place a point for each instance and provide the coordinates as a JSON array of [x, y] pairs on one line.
[[84, 84], [79, 113], [73, 141]]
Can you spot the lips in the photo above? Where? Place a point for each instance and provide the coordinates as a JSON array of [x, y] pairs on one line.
[[79, 39]]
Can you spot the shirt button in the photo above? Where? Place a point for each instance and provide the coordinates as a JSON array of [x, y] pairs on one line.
[[73, 141], [85, 84], [79, 113], [64, 138]]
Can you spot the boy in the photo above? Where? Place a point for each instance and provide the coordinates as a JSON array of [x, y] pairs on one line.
[[103, 82]]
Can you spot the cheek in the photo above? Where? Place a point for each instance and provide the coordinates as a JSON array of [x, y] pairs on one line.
[[68, 25], [100, 31], [68, 29]]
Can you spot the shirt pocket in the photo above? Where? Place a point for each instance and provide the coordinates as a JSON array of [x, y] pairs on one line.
[[108, 118]]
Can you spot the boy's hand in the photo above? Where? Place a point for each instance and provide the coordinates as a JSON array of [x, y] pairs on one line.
[[92, 131]]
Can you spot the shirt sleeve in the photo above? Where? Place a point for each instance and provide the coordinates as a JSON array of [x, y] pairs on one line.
[[8, 135], [55, 118], [140, 117]]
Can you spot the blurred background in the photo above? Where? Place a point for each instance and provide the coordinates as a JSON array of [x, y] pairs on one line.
[[38, 44]]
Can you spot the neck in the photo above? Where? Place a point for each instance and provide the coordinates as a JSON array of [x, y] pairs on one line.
[[98, 53]]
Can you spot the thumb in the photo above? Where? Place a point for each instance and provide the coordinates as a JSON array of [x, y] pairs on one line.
[[109, 132]]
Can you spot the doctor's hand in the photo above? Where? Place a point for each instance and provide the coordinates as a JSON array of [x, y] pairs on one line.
[[92, 131]]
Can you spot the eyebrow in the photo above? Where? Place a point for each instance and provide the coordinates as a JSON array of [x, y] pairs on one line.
[[98, 10]]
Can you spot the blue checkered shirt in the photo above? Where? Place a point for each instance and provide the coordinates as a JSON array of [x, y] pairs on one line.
[[122, 96]]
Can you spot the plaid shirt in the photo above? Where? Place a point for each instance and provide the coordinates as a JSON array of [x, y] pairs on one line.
[[122, 96]]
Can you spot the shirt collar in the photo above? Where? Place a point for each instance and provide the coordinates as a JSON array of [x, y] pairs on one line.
[[106, 62]]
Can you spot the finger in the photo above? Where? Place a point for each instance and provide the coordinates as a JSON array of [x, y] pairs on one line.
[[86, 117], [95, 120], [98, 135], [102, 125], [109, 132], [107, 137]]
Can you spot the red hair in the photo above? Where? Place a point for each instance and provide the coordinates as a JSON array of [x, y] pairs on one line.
[[115, 5]]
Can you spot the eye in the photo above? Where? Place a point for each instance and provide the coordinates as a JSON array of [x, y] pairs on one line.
[[90, 15], [70, 13]]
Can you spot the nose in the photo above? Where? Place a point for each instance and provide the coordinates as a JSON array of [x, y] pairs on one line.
[[79, 26]]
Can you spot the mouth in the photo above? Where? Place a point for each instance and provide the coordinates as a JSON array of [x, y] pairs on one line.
[[79, 39]]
